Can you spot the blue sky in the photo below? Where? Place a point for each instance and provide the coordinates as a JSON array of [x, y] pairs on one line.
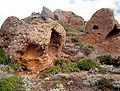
[[84, 8]]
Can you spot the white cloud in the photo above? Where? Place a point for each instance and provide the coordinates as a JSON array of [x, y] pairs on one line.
[[84, 8]]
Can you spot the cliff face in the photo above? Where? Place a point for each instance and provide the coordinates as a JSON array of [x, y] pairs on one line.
[[103, 31], [33, 42]]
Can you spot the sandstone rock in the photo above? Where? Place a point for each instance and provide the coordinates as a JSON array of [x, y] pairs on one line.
[[48, 13], [33, 42], [103, 31], [68, 17]]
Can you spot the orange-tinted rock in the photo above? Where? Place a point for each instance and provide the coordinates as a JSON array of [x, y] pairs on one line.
[[34, 41], [68, 17], [103, 31]]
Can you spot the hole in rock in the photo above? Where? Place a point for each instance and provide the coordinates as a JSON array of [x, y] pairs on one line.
[[56, 17], [33, 51], [113, 32], [44, 18], [95, 27], [6, 38], [32, 57], [87, 33], [54, 43]]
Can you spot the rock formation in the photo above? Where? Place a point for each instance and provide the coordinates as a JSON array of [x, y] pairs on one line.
[[33, 42], [48, 13], [103, 31], [68, 17], [61, 16]]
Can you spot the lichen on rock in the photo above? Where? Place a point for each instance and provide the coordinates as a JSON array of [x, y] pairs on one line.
[[33, 42]]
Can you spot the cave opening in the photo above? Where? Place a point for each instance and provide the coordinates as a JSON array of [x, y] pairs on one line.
[[56, 17], [95, 27], [114, 32], [55, 36], [54, 43]]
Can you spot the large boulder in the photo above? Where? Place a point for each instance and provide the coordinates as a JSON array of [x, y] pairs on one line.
[[48, 13], [33, 42], [68, 17], [103, 31]]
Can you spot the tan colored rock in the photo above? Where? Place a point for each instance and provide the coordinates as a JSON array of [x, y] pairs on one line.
[[68, 17], [33, 42], [103, 31]]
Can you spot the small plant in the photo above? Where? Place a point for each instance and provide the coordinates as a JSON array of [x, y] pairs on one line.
[[74, 59], [89, 47], [16, 66], [105, 59], [79, 44], [54, 69], [86, 64], [103, 70], [63, 65], [61, 62], [10, 84], [3, 59]]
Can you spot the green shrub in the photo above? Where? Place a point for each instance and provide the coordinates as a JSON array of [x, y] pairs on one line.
[[63, 65], [10, 84], [3, 59], [105, 59], [16, 66], [103, 70], [89, 48], [70, 68], [54, 69], [61, 62], [86, 64], [74, 59], [79, 44]]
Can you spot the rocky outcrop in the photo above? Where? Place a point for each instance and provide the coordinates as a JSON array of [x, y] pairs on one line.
[[68, 17], [103, 31], [33, 42], [61, 16], [48, 13]]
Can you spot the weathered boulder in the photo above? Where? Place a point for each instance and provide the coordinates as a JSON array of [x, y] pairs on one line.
[[48, 13], [103, 31], [33, 42], [68, 17]]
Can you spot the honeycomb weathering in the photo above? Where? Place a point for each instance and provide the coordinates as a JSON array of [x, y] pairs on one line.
[[103, 31], [33, 42]]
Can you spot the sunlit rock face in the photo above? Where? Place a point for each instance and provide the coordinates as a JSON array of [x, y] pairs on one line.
[[33, 42], [68, 17], [103, 31]]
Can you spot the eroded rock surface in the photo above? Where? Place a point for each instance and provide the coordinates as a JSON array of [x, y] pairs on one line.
[[103, 31], [48, 13], [68, 17], [33, 42]]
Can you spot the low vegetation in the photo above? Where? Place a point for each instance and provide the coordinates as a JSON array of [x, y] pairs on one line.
[[3, 59], [12, 83], [63, 65], [86, 64], [69, 27], [105, 59], [108, 60], [79, 44]]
